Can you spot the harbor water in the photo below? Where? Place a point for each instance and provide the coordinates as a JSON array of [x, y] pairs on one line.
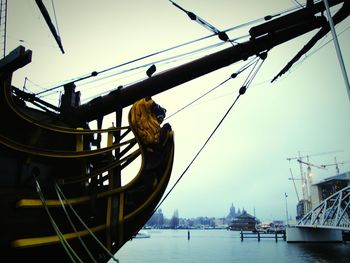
[[223, 246]]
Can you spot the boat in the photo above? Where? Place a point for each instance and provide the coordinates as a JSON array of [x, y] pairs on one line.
[[142, 234], [61, 195], [275, 226]]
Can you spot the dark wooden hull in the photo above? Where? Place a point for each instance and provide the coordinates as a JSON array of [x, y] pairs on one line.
[[59, 195]]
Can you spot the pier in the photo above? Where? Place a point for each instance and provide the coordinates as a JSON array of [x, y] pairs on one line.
[[263, 235]]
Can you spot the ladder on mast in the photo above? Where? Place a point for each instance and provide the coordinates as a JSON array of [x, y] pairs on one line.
[[3, 20]]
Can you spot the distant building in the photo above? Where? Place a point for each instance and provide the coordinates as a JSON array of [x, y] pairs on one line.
[[233, 214], [325, 188], [244, 222]]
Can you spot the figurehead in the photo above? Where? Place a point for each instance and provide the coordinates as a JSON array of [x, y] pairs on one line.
[[145, 118]]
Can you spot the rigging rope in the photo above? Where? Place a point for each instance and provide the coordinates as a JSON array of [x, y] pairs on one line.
[[54, 13], [73, 227], [234, 75], [85, 226], [69, 250], [95, 73], [242, 91]]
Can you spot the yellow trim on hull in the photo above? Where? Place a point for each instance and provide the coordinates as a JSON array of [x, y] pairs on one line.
[[47, 240]]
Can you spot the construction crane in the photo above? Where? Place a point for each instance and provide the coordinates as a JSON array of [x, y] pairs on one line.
[[336, 164], [306, 180]]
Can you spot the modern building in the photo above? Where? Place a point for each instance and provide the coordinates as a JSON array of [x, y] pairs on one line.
[[325, 188]]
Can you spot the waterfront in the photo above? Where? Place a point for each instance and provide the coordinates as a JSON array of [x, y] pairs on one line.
[[222, 246]]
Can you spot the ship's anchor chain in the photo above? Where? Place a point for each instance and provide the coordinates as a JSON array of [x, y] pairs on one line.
[[259, 58]]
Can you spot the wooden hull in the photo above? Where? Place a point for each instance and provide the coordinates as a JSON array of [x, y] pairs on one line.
[[59, 198]]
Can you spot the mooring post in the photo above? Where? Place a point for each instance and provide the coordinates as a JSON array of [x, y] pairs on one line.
[[241, 235], [276, 237], [258, 236], [188, 235]]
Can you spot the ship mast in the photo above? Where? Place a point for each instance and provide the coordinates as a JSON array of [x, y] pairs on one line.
[[262, 38]]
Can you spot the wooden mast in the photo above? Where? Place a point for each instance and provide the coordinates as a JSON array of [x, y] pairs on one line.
[[263, 38]]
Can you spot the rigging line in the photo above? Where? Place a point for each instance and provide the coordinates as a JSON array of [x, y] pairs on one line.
[[296, 2], [86, 227], [242, 91], [54, 13], [265, 18], [177, 58], [308, 55], [198, 98], [341, 14], [105, 92], [221, 34], [164, 60], [200, 150], [245, 83], [206, 93], [33, 83], [74, 228], [197, 154], [95, 73], [132, 69], [158, 61], [262, 60], [69, 250]]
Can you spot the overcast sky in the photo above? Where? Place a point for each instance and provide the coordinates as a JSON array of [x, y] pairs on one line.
[[306, 111]]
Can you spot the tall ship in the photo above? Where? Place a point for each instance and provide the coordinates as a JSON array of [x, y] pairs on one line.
[[61, 196]]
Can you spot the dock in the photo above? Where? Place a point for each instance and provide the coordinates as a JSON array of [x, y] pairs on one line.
[[263, 235]]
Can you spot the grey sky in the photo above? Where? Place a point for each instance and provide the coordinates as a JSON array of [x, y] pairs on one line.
[[305, 110]]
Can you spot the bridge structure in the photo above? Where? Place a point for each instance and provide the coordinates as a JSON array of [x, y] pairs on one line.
[[325, 222]]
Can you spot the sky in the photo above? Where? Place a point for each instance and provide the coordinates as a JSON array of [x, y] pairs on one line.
[[305, 112]]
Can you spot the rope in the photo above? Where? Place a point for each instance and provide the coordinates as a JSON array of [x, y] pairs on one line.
[[234, 75], [95, 73], [297, 3], [74, 228], [242, 91], [197, 154], [165, 60], [63, 241], [54, 12], [86, 227]]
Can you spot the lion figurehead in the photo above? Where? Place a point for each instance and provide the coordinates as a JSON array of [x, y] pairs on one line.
[[145, 118]]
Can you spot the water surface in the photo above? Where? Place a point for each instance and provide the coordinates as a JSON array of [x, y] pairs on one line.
[[222, 246]]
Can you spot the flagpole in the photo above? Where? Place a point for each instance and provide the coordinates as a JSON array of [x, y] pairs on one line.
[[285, 195]]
